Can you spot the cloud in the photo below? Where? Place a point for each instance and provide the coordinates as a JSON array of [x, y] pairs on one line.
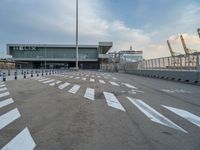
[[50, 21]]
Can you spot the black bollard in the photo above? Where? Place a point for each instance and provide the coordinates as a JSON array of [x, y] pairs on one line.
[[37, 74], [24, 75], [15, 74], [4, 76], [31, 73]]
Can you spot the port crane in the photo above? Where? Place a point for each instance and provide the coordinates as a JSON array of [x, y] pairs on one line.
[[189, 53]]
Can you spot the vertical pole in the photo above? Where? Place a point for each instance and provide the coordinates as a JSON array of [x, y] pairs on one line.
[[76, 34]]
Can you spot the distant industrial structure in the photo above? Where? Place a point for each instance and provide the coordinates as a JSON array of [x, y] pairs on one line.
[[7, 64], [45, 56]]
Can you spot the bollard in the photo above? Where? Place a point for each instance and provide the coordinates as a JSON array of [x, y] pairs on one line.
[[27, 72], [46, 73], [0, 73], [22, 71], [37, 74], [42, 73], [24, 75], [4, 76], [31, 73], [15, 74]]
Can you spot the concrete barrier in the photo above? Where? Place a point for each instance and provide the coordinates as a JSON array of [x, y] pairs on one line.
[[183, 76]]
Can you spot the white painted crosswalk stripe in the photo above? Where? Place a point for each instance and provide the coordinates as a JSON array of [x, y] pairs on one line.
[[4, 94], [43, 79], [58, 82], [92, 80], [3, 89], [99, 76], [185, 114], [3, 85], [71, 77], [62, 86], [112, 101], [23, 141], [83, 79], [6, 102], [74, 89], [114, 83], [52, 80], [89, 93], [77, 78], [9, 117], [153, 115], [102, 81], [129, 86]]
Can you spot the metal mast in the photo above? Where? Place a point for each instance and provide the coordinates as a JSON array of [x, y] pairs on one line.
[[76, 34]]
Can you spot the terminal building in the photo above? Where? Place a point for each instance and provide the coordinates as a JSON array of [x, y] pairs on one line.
[[58, 56]]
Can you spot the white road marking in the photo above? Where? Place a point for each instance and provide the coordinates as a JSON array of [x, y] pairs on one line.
[[52, 80], [114, 78], [43, 79], [3, 89], [185, 114], [71, 77], [66, 76], [23, 141], [4, 94], [112, 101], [6, 102], [105, 77], [114, 83], [52, 84], [92, 76], [153, 115], [83, 79], [92, 80], [3, 85], [77, 78], [99, 76], [129, 86], [89, 93], [62, 86], [9, 117], [74, 89], [58, 82], [102, 81]]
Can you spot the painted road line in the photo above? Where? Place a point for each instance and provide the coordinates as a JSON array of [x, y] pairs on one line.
[[153, 115], [114, 83], [43, 79], [6, 102], [92, 80], [77, 78], [9, 117], [92, 76], [4, 94], [52, 84], [23, 141], [66, 76], [62, 86], [114, 78], [112, 101], [58, 82], [3, 85], [71, 77], [89, 93], [102, 81], [99, 76], [185, 114], [83, 79], [52, 80], [74, 89], [3, 89], [129, 86]]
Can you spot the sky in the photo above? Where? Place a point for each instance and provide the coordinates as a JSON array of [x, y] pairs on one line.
[[144, 24]]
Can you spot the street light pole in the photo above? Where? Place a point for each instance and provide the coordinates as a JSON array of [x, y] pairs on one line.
[[76, 34]]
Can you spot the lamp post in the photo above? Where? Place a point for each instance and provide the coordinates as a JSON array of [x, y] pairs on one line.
[[76, 34]]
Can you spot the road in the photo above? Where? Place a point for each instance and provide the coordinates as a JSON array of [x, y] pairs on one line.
[[99, 110]]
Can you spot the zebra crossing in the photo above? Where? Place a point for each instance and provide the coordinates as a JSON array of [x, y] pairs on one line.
[[22, 140], [113, 102]]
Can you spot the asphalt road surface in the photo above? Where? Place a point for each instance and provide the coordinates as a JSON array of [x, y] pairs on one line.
[[93, 110]]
